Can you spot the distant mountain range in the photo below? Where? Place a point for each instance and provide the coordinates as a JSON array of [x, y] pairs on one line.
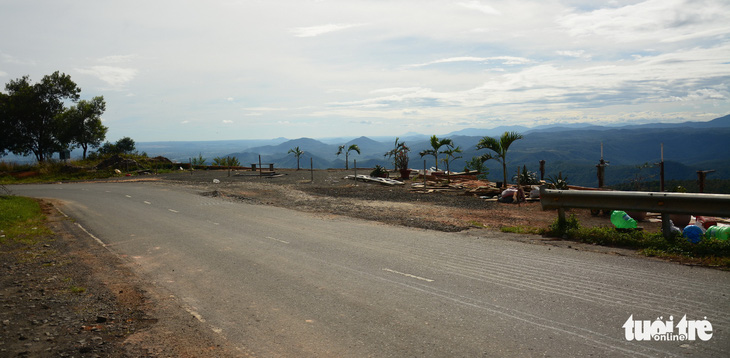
[[573, 150]]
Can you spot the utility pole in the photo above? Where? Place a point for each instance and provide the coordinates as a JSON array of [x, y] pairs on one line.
[[661, 170]]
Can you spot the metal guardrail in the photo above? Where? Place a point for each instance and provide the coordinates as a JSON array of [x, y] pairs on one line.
[[664, 203]]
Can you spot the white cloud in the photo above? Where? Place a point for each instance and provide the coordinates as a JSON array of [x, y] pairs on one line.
[[400, 63], [505, 60], [227, 121], [477, 5], [16, 61], [114, 76], [313, 31], [652, 20], [574, 53], [117, 59]]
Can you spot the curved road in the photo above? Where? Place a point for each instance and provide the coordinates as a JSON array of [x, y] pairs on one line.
[[278, 282]]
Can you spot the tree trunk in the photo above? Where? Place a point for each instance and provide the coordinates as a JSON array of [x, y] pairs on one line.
[[504, 171]]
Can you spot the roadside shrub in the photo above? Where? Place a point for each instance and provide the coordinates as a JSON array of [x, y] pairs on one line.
[[526, 177], [558, 182], [199, 160], [566, 228], [378, 171]]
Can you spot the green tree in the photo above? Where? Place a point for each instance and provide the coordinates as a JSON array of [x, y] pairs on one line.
[[82, 124], [31, 111], [499, 147], [476, 164], [436, 144], [227, 161], [199, 160], [347, 153], [122, 146], [297, 153], [451, 154], [8, 128], [393, 153], [126, 145]]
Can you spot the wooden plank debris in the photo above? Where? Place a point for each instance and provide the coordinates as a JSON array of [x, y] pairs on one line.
[[368, 178]]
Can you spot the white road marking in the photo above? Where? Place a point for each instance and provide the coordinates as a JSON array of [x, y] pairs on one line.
[[147, 202], [174, 211], [408, 275], [129, 196], [275, 239]]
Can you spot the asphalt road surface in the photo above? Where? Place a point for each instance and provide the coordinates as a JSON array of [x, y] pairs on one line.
[[278, 282]]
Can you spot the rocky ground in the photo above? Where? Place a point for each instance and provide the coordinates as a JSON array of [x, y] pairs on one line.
[[67, 296]]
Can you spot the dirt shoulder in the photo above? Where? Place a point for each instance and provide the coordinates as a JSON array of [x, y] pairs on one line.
[[68, 296]]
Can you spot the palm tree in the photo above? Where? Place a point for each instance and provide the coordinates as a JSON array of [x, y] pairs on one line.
[[499, 147], [451, 154], [297, 153], [347, 153], [436, 144], [394, 152]]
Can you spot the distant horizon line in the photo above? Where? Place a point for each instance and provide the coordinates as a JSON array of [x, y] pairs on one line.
[[415, 134]]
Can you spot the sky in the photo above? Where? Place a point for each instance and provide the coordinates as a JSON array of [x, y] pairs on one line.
[[209, 70]]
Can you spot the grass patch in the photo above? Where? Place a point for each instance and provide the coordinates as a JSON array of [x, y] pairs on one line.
[[475, 223], [21, 220], [77, 289], [522, 230], [708, 252], [50, 171], [55, 171]]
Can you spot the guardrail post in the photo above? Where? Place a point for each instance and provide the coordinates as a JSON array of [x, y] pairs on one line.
[[561, 216]]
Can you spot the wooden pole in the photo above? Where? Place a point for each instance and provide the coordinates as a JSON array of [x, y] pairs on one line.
[[661, 170], [424, 174], [701, 175], [542, 169], [260, 172], [354, 162], [311, 168]]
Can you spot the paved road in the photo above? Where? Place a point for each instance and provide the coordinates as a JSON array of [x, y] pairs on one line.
[[283, 283]]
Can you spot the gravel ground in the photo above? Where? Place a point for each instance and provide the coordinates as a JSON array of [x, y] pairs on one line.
[[330, 193]]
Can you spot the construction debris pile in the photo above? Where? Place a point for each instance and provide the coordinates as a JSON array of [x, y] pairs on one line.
[[458, 183]]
